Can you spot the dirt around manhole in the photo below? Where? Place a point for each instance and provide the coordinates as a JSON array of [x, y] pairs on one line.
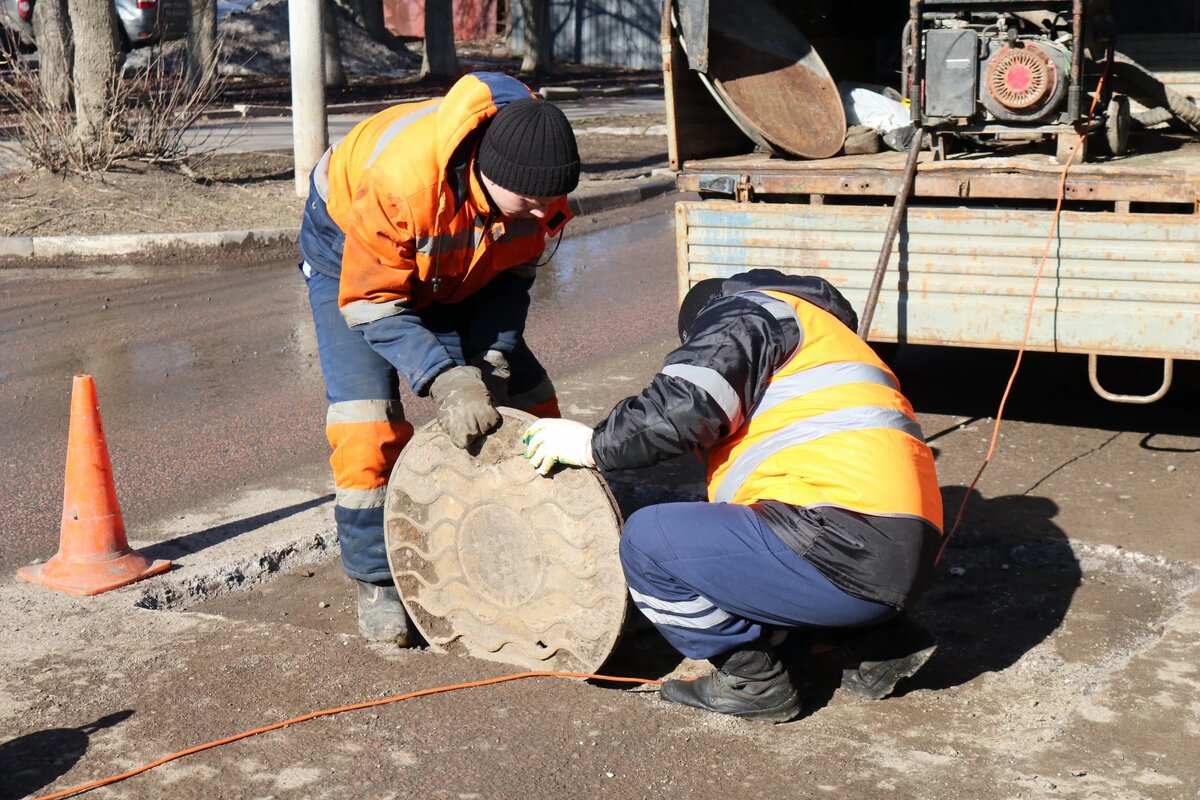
[[1058, 663], [1027, 626]]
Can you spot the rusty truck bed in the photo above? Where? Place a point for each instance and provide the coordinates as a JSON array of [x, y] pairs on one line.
[[1122, 270], [1170, 175]]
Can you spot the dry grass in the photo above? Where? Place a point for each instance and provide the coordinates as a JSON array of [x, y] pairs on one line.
[[234, 191], [155, 107]]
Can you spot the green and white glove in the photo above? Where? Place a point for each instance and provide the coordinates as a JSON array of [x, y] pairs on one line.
[[558, 441]]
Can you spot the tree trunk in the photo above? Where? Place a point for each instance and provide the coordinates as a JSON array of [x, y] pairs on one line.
[[440, 59], [335, 73], [369, 15], [201, 42], [97, 65], [535, 17], [52, 29]]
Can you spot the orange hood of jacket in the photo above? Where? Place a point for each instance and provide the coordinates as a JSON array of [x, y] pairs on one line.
[[403, 188]]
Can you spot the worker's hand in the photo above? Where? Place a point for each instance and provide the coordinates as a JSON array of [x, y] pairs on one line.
[[464, 408], [558, 441], [493, 366]]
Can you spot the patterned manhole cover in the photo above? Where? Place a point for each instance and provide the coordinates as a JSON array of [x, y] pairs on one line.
[[495, 561]]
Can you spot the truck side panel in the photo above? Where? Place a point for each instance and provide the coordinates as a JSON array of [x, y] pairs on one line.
[[1113, 284]]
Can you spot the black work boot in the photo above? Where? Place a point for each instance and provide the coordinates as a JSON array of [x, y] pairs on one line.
[[381, 615], [878, 657], [750, 683]]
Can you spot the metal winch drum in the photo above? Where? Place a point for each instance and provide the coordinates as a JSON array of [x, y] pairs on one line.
[[495, 561]]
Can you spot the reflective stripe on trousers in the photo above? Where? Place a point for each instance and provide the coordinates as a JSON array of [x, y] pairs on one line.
[[713, 576], [366, 428]]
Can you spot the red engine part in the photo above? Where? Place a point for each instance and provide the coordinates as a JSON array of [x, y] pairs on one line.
[[1019, 77]]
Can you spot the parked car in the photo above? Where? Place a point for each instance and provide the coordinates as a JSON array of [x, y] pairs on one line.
[[139, 22]]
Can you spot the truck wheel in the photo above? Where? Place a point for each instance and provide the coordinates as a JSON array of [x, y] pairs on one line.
[[1116, 125]]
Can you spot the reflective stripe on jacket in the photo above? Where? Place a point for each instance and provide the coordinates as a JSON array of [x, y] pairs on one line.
[[403, 188], [831, 429]]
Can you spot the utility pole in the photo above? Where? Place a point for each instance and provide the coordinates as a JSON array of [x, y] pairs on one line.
[[310, 133]]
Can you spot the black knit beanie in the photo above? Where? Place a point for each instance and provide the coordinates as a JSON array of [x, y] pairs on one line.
[[529, 148]]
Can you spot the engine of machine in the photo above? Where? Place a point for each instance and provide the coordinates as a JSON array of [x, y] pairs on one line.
[[991, 69]]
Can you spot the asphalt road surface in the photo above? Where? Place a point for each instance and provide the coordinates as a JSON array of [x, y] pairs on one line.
[[209, 383], [1065, 607], [208, 378]]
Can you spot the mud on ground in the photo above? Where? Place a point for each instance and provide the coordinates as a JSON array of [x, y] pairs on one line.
[[1039, 690]]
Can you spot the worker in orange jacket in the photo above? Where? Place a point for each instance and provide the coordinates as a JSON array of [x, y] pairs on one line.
[[824, 510], [421, 237]]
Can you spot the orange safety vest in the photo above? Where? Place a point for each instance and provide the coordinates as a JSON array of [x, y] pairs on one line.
[[831, 429], [388, 190]]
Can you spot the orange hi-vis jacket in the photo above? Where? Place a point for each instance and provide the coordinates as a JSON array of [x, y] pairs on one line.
[[404, 189], [831, 429]]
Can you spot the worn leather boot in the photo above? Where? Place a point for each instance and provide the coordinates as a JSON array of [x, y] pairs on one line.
[[381, 615], [879, 657], [750, 683]]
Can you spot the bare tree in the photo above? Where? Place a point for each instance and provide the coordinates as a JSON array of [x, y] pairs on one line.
[[335, 72], [201, 40], [96, 68], [440, 60], [535, 18], [369, 15], [52, 30]]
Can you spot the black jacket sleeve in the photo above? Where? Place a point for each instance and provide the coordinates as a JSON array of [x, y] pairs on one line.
[[705, 389]]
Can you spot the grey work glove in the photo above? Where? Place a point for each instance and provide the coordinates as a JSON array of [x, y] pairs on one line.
[[494, 367], [464, 408]]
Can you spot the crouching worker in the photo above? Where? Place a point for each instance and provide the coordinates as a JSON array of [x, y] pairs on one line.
[[421, 235], [823, 511]]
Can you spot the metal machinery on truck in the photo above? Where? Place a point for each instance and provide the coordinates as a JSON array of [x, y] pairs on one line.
[[755, 126], [1007, 70]]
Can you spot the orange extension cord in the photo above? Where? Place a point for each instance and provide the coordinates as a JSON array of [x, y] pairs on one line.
[[1062, 193], [330, 711]]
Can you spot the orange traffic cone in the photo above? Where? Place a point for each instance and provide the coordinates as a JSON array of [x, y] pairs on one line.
[[93, 555]]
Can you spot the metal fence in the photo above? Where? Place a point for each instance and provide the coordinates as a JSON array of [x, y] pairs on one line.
[[622, 33]]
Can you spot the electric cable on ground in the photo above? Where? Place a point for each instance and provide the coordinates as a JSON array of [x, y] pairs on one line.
[[328, 712], [1062, 192]]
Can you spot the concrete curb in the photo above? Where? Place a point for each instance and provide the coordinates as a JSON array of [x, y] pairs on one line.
[[47, 247], [123, 244], [585, 203]]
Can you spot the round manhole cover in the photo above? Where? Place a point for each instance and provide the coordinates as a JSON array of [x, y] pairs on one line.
[[495, 561], [764, 73]]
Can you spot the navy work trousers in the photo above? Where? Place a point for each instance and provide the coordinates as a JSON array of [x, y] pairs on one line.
[[366, 426], [712, 576]]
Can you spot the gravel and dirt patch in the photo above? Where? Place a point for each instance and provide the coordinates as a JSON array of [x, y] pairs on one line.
[[1058, 660], [228, 192], [240, 191]]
